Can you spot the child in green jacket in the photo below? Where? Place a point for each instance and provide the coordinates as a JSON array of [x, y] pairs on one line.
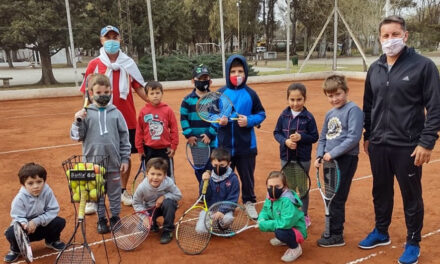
[[282, 215]]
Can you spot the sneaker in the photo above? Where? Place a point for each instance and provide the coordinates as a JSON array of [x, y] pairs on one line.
[[154, 228], [91, 208], [308, 221], [166, 237], [102, 226], [11, 256], [331, 241], [56, 245], [410, 255], [374, 239], [113, 221], [291, 254], [200, 226], [126, 198], [250, 209], [276, 242]]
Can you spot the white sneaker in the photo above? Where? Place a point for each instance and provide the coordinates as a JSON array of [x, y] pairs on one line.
[[91, 208], [126, 198], [292, 253], [276, 242], [200, 226], [250, 209]]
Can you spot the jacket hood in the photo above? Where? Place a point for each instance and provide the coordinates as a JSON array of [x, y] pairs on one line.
[[160, 105], [228, 70], [30, 196]]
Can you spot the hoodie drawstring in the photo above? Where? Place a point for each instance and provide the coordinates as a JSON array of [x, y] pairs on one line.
[[105, 123]]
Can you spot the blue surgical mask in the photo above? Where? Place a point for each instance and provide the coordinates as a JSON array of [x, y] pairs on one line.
[[111, 46]]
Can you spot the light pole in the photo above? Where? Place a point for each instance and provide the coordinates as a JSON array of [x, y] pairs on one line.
[[238, 23]]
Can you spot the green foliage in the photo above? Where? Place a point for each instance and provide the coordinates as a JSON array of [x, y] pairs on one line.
[[179, 67]]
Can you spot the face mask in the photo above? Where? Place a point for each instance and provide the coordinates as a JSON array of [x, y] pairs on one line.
[[201, 85], [111, 46], [236, 80], [102, 100], [392, 47], [275, 192], [219, 170]]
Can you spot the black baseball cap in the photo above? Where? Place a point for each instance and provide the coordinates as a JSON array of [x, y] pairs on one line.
[[200, 70]]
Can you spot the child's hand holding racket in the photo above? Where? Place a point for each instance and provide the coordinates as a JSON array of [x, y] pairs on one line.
[[205, 139], [30, 227], [242, 120], [81, 114], [223, 121], [124, 167], [217, 216], [159, 201], [192, 140], [295, 137], [206, 175], [290, 144], [170, 152]]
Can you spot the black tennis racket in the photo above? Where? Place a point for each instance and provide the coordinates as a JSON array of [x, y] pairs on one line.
[[297, 177], [139, 177], [198, 154], [227, 219], [23, 242], [132, 230], [328, 180], [212, 106], [87, 99], [77, 252], [190, 238]]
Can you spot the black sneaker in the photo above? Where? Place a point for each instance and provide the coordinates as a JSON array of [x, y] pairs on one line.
[[166, 237], [56, 245], [154, 228], [11, 256], [102, 226], [331, 241], [113, 221]]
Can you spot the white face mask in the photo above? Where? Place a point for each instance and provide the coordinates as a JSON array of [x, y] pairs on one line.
[[393, 46]]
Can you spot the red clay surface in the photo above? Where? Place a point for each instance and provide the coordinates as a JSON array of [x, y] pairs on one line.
[[38, 131]]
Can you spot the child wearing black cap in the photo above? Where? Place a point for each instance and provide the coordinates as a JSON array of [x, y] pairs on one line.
[[193, 127]]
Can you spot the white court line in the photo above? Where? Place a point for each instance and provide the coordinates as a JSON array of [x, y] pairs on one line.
[[39, 148], [26, 116]]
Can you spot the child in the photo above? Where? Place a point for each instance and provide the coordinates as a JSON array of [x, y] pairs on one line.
[[103, 131], [156, 133], [339, 140], [282, 215], [159, 191], [296, 131], [193, 127], [36, 209], [223, 186], [238, 137]]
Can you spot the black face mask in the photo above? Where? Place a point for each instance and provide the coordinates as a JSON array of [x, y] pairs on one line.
[[202, 85], [102, 100], [219, 170], [274, 192]]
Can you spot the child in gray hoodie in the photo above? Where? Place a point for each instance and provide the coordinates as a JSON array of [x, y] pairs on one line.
[[159, 192], [103, 131], [36, 209]]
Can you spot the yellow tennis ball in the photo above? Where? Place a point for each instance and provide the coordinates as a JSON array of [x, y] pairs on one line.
[[89, 166], [73, 184], [76, 197], [80, 166], [102, 170], [93, 195], [68, 174]]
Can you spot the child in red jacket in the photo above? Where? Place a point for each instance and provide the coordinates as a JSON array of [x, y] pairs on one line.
[[157, 134]]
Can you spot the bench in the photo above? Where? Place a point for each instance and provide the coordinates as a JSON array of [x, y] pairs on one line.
[[6, 81]]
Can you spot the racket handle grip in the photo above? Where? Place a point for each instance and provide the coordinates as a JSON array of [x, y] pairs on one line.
[[82, 205], [205, 186], [79, 120]]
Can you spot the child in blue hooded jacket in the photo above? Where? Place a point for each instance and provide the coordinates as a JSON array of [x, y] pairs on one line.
[[238, 136]]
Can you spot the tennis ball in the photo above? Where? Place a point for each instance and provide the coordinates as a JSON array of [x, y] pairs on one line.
[[75, 197], [96, 168], [92, 184], [89, 166], [93, 195], [80, 188], [82, 183], [73, 184], [102, 189], [102, 170], [68, 174]]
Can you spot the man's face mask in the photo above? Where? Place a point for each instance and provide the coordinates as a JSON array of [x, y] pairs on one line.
[[111, 46], [392, 47]]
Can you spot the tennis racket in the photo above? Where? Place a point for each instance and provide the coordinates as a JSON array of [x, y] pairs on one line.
[[77, 252], [23, 242], [87, 100], [227, 219], [212, 106], [191, 234], [328, 180], [297, 177], [198, 154], [132, 230], [139, 177]]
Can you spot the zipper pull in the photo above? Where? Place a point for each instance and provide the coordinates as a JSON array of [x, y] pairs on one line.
[[388, 83]]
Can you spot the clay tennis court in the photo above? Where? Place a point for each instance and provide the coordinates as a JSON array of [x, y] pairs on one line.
[[38, 131]]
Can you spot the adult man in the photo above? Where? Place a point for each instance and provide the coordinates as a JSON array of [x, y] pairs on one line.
[[124, 75], [398, 135]]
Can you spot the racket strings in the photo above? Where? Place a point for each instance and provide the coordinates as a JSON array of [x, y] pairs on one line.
[[198, 154], [131, 231], [297, 179], [233, 220], [190, 240], [330, 179], [214, 106], [74, 254]]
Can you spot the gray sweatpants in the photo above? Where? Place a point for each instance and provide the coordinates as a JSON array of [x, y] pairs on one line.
[[113, 189]]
